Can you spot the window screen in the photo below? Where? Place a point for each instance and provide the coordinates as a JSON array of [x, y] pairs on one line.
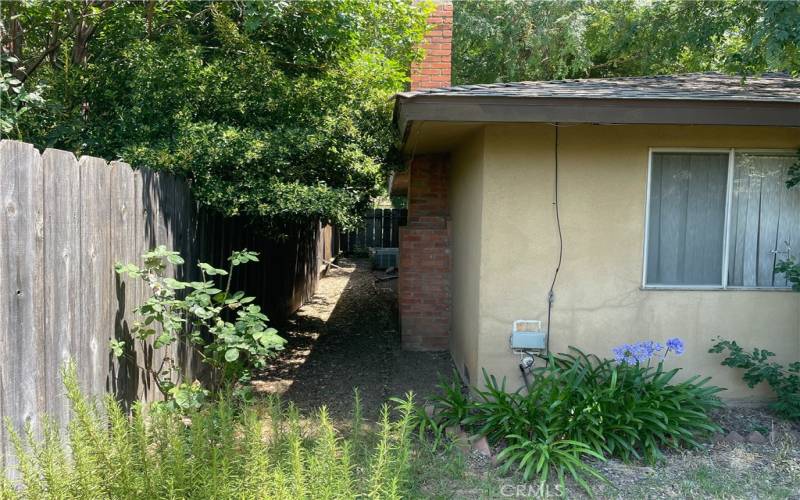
[[686, 226], [765, 220]]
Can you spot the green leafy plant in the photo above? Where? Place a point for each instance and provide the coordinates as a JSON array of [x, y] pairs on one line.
[[580, 406], [498, 413], [794, 173], [222, 450], [448, 408], [425, 425], [277, 111], [789, 267], [228, 332], [784, 380], [185, 396], [791, 270], [537, 458], [504, 41], [452, 406], [16, 99], [533, 429]]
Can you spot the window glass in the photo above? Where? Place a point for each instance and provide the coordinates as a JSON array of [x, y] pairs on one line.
[[765, 220], [686, 224]]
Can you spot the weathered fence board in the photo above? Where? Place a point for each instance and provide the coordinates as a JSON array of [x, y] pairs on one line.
[[63, 295], [64, 223], [124, 248], [96, 274], [22, 394]]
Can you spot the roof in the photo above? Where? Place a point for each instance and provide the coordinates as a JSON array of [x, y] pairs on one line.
[[696, 98], [775, 87]]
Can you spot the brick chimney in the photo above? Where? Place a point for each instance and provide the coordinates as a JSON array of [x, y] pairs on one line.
[[434, 70], [424, 285]]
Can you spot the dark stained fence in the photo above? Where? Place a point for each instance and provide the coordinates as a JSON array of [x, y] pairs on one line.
[[64, 223], [381, 229], [289, 267]]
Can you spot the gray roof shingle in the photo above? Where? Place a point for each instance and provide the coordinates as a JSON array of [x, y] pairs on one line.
[[770, 87]]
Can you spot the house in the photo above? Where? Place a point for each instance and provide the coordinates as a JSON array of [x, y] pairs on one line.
[[612, 210]]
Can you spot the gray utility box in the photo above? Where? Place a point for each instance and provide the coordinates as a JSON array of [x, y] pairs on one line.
[[527, 335]]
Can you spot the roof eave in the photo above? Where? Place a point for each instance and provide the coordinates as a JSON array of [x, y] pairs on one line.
[[585, 110]]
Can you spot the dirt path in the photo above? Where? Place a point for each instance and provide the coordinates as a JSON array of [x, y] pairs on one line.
[[347, 337]]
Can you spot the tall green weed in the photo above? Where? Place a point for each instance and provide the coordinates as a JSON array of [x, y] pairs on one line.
[[224, 450]]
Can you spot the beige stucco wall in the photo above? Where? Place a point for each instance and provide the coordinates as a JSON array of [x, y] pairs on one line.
[[466, 199], [599, 302]]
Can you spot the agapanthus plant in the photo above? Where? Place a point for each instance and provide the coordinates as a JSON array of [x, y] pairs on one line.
[[645, 350], [675, 345]]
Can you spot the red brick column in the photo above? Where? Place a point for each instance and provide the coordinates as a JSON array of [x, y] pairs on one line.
[[424, 282]]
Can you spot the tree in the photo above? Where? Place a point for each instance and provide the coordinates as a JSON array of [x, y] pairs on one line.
[[278, 111], [516, 40]]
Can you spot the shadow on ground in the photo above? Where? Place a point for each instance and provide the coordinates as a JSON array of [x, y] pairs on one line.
[[347, 337]]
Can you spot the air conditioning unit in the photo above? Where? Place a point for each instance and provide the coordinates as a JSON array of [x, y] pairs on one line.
[[384, 258]]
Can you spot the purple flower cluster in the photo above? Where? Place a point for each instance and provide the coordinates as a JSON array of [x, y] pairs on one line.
[[675, 345], [641, 352]]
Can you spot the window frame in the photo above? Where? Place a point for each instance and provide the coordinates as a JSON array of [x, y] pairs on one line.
[[731, 152]]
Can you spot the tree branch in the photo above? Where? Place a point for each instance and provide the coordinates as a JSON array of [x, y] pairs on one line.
[[80, 28]]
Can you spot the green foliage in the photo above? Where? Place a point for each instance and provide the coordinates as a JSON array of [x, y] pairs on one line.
[[631, 411], [185, 396], [791, 269], [580, 406], [784, 380], [537, 457], [221, 451], [229, 333], [452, 405], [517, 40], [15, 99], [794, 173], [447, 409], [275, 110]]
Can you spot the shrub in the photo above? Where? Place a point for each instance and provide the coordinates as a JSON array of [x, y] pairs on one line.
[[450, 408], [789, 267], [225, 450], [228, 332], [453, 404], [538, 457], [580, 406], [784, 381]]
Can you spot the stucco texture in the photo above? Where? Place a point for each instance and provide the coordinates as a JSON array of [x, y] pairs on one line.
[[465, 192], [505, 250]]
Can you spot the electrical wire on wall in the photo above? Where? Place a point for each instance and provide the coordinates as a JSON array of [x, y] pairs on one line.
[[550, 294]]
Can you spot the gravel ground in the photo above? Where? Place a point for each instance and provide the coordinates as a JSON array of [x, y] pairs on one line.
[[347, 337]]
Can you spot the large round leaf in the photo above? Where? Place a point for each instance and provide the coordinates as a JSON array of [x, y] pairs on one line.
[[231, 355]]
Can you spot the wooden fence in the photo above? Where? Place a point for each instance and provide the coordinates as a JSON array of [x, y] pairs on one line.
[[63, 224], [381, 229]]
